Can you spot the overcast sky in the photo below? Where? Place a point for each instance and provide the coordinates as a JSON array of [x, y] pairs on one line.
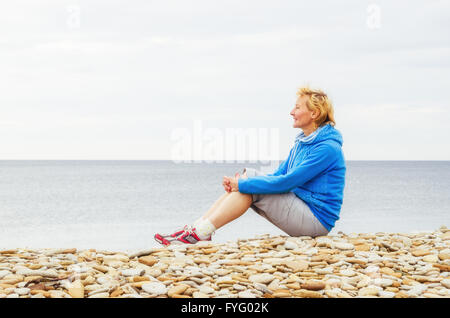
[[118, 79]]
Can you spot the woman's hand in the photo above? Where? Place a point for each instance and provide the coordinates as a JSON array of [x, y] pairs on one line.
[[231, 184]]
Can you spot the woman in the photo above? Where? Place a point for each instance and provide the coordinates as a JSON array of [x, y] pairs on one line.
[[303, 197]]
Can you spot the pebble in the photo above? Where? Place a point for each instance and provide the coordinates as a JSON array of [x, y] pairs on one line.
[[177, 290], [384, 265], [206, 289], [76, 289], [324, 271], [246, 294], [446, 283], [133, 272], [4, 273], [369, 291], [100, 295], [263, 288], [417, 290], [239, 287], [261, 278], [347, 272], [148, 260], [154, 288], [289, 245], [371, 269], [22, 291], [383, 282], [344, 246], [313, 285], [386, 294], [431, 258]]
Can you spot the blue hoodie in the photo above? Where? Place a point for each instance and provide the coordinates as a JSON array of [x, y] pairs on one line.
[[314, 171]]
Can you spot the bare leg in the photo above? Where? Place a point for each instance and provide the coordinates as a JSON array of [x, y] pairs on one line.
[[234, 204], [215, 205], [218, 202]]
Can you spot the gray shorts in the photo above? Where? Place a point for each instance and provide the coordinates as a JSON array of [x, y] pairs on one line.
[[286, 211]]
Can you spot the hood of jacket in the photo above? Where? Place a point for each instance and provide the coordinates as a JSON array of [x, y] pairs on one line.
[[326, 132]]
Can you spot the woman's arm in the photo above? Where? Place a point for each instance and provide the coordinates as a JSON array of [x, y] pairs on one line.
[[318, 161], [282, 168]]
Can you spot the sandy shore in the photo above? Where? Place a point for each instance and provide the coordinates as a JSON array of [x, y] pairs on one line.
[[392, 265]]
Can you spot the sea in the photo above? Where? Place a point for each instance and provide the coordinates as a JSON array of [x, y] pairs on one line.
[[120, 205]]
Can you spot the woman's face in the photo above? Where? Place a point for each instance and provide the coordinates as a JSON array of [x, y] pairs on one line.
[[303, 117]]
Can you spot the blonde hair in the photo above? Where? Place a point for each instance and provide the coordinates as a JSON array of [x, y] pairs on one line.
[[318, 100]]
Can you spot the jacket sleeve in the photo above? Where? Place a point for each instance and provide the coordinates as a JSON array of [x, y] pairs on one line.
[[313, 165], [281, 169]]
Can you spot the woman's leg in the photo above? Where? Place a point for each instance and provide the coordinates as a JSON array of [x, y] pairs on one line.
[[215, 205], [233, 205], [219, 202]]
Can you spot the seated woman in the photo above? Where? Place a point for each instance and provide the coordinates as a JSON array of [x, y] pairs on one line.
[[303, 197]]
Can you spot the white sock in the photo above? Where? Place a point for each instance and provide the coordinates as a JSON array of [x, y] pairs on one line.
[[204, 229], [197, 223]]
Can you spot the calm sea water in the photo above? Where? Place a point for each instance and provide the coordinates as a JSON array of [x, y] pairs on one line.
[[119, 205]]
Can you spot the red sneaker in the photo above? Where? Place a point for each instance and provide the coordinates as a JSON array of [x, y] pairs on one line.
[[189, 236], [165, 239]]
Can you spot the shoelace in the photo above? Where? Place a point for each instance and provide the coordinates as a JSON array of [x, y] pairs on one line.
[[187, 230], [190, 230]]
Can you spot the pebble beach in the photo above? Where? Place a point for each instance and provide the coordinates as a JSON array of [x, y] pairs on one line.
[[383, 265]]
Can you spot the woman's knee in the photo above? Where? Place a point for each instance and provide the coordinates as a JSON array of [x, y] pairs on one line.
[[248, 197]]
